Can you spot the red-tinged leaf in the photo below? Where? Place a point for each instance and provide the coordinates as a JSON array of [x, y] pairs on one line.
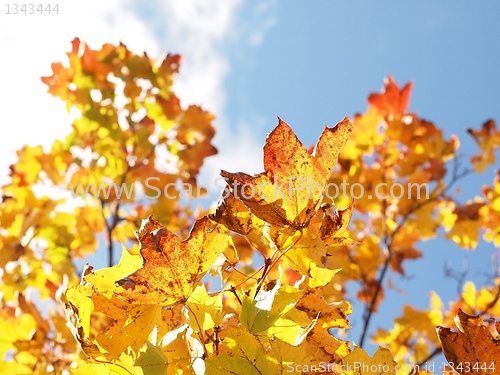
[[392, 100]]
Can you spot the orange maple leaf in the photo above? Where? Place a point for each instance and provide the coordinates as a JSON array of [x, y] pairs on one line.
[[473, 348], [488, 140], [289, 192], [391, 100]]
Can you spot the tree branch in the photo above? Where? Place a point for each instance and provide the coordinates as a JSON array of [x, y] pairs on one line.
[[431, 355], [388, 240]]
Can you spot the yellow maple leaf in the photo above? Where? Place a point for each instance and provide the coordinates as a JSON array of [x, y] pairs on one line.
[[358, 362], [104, 280], [272, 313], [234, 215], [242, 354], [305, 250], [205, 311], [171, 267], [463, 224], [490, 212]]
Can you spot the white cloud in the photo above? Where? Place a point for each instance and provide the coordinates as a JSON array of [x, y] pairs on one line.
[[30, 43], [196, 29], [202, 31], [264, 22], [239, 151]]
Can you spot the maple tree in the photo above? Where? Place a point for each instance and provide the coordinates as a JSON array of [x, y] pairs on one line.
[[285, 252]]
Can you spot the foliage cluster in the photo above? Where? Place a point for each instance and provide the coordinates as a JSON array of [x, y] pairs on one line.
[[286, 258]]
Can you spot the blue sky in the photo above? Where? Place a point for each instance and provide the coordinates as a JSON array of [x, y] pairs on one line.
[[311, 63], [318, 63]]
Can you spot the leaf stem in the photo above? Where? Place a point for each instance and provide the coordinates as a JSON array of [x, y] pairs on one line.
[[270, 263]]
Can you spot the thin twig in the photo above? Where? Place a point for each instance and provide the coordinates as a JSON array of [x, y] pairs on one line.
[[369, 312], [431, 355]]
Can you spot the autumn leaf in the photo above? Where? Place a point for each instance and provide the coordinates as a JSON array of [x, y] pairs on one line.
[[194, 133], [124, 326], [205, 311], [485, 299], [334, 227], [473, 348], [358, 362], [235, 215], [463, 224], [289, 192], [272, 313], [78, 309], [392, 100], [305, 250], [156, 312], [321, 345], [490, 212], [331, 314], [365, 135], [242, 354], [171, 267], [153, 361], [104, 280], [488, 140], [414, 329]]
